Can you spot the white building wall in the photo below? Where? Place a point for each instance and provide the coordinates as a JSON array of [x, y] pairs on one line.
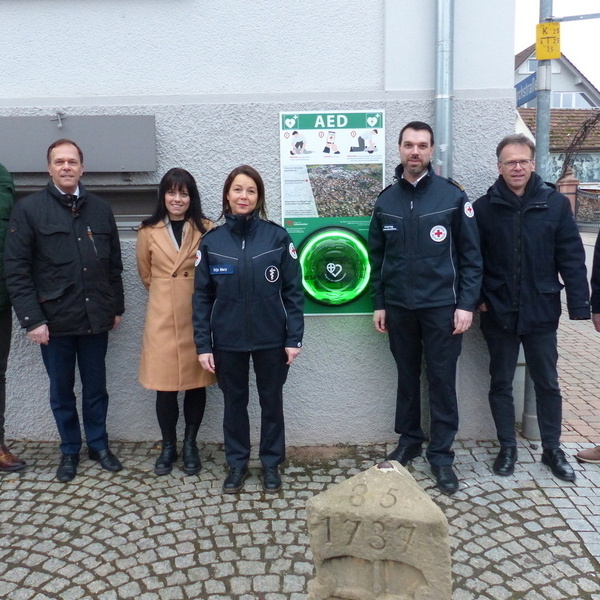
[[94, 48], [216, 75]]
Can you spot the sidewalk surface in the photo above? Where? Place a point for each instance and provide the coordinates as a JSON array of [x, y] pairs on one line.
[[112, 536]]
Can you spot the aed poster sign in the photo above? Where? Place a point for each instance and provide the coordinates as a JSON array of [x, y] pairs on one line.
[[332, 170]]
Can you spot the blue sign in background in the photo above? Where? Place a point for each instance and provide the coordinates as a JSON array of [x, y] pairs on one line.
[[526, 89]]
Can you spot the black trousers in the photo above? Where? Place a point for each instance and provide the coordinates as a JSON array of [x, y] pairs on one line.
[[541, 355], [5, 337], [232, 369], [412, 333]]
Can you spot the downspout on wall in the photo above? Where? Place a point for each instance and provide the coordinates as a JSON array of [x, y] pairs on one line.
[[444, 87]]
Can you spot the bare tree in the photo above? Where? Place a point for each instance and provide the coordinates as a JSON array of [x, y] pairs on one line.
[[578, 139]]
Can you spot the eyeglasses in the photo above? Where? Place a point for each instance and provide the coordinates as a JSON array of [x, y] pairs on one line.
[[511, 165]]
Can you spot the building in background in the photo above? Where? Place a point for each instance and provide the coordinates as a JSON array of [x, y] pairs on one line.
[[570, 87], [574, 131], [214, 78]]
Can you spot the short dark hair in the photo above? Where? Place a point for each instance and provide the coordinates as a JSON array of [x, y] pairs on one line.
[[260, 188], [515, 138], [417, 126], [178, 179], [62, 142]]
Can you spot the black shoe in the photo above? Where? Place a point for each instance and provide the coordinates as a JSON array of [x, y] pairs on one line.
[[234, 482], [166, 458], [191, 458], [505, 461], [108, 461], [446, 479], [404, 454], [271, 479], [67, 469], [557, 461]]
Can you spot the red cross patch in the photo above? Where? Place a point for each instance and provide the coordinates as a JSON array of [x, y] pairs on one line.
[[469, 210], [438, 233]]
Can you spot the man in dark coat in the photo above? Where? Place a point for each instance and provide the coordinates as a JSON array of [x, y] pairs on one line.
[[63, 273], [426, 277], [8, 461], [528, 238]]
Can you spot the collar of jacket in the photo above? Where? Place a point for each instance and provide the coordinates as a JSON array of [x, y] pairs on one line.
[[535, 195], [424, 182], [185, 228], [53, 191], [242, 224]]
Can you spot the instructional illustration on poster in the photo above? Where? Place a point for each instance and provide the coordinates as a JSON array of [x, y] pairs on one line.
[[332, 163]]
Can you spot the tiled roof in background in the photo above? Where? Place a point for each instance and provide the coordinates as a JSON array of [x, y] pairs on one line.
[[564, 125]]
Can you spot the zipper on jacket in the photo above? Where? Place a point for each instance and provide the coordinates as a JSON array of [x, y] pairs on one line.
[[518, 257], [412, 245], [246, 288]]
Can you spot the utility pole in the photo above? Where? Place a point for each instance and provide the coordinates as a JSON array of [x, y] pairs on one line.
[[544, 92], [444, 85], [529, 422]]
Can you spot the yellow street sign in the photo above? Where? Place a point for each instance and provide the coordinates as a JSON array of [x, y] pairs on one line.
[[547, 41]]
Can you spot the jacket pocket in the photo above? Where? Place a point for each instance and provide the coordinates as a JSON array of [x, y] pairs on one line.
[[392, 227], [224, 271], [434, 233], [57, 305], [99, 237], [55, 243], [549, 287]]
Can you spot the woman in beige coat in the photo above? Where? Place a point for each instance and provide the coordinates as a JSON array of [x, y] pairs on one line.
[[166, 250]]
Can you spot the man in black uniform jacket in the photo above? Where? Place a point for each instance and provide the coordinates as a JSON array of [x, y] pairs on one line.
[[426, 278]]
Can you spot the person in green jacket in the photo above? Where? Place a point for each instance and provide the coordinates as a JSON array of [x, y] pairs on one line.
[[8, 461]]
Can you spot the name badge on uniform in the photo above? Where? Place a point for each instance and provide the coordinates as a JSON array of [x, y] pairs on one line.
[[390, 228], [221, 270]]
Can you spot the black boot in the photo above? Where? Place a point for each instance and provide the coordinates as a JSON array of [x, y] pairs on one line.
[[191, 458], [168, 455]]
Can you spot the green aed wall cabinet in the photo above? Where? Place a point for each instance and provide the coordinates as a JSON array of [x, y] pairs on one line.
[[335, 264]]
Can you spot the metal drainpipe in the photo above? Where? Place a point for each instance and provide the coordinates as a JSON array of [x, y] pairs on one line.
[[529, 426], [444, 82]]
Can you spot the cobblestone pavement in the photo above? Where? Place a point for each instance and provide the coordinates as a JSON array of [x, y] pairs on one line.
[[111, 536]]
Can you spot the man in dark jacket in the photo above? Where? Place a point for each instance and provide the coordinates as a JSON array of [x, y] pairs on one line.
[[63, 272], [8, 461], [528, 238], [426, 277]]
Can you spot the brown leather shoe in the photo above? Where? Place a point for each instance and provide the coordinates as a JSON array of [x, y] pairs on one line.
[[8, 461]]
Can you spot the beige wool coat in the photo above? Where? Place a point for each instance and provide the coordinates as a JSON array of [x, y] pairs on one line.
[[169, 361]]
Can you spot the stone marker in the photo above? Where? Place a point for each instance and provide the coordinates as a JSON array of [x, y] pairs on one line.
[[378, 536]]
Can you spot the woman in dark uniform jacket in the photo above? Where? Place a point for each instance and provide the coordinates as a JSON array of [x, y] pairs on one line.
[[248, 301]]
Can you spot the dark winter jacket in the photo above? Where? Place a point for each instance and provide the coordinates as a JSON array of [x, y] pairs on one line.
[[7, 200], [424, 246], [248, 289], [63, 263], [526, 243]]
